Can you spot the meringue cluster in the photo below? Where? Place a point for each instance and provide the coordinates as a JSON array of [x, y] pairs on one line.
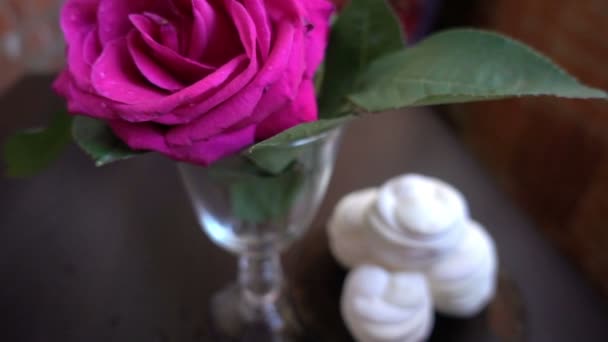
[[386, 306], [426, 251]]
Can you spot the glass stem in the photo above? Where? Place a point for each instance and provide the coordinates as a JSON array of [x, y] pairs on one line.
[[260, 279]]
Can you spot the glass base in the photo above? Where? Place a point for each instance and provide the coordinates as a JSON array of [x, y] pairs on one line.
[[235, 319]]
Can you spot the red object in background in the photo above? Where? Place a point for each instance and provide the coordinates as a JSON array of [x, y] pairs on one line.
[[410, 12], [417, 16]]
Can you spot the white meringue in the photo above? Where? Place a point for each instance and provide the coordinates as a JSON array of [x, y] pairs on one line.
[[414, 221], [464, 281], [379, 306], [347, 230]]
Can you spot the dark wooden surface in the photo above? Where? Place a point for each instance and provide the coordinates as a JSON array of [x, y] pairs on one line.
[[115, 254]]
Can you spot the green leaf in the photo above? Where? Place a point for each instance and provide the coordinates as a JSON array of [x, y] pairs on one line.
[[299, 132], [29, 152], [364, 31], [319, 78], [275, 154], [255, 195], [460, 66], [257, 199], [97, 140]]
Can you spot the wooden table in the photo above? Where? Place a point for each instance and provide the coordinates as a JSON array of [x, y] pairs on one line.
[[115, 254]]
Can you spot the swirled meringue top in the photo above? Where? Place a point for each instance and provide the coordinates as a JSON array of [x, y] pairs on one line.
[[380, 306], [420, 205], [417, 219]]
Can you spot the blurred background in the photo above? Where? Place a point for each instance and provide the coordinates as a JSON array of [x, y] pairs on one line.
[[550, 157], [30, 39]]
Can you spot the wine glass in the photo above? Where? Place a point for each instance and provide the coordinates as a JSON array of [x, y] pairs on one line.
[[255, 211]]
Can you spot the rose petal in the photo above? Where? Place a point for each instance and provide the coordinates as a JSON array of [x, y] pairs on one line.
[[245, 27], [257, 11], [91, 47], [167, 33], [286, 88], [297, 64], [76, 62], [80, 102], [113, 16], [217, 120], [240, 107], [188, 103], [83, 103], [78, 17], [200, 103], [62, 83], [78, 22], [272, 100], [303, 109], [149, 68], [213, 90], [181, 8], [183, 68], [147, 136], [115, 76], [212, 28], [319, 14], [203, 19], [281, 10], [208, 151], [140, 136]]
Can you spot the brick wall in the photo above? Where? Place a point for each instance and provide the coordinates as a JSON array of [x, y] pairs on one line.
[[552, 155]]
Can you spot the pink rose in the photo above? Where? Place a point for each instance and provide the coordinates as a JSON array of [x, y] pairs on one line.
[[196, 80]]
